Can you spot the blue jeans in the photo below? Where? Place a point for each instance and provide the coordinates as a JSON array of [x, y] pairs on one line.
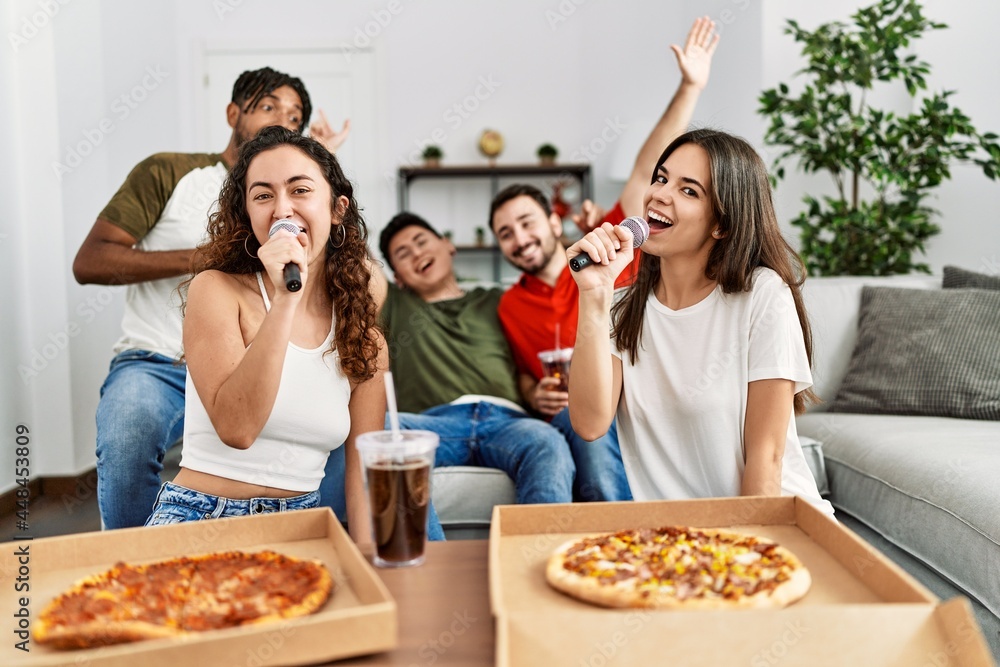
[[140, 415], [531, 452], [176, 504], [600, 473], [331, 491]]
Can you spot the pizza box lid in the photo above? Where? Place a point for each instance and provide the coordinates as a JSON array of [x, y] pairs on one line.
[[859, 600], [360, 617]]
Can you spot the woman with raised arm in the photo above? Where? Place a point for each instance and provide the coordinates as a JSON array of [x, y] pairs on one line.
[[277, 379], [710, 349]]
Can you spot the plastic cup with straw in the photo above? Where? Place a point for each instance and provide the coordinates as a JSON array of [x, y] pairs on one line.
[[397, 470]]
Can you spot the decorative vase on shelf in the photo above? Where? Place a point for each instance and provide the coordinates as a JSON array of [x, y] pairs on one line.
[[491, 145]]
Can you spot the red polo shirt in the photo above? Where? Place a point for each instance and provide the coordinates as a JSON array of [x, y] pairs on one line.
[[530, 309]]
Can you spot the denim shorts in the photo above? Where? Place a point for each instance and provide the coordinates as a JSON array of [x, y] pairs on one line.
[[176, 504]]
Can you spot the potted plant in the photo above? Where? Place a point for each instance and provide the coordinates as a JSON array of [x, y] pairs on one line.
[[547, 154], [884, 164], [432, 156], [480, 237]]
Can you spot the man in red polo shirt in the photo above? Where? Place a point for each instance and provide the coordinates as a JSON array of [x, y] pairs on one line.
[[539, 312]]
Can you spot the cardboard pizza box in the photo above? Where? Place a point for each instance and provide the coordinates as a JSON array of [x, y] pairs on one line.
[[360, 617], [861, 608]]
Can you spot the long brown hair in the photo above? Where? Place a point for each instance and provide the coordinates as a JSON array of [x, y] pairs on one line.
[[744, 210], [231, 242]]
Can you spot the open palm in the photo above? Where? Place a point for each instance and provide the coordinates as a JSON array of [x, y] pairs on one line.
[[695, 59]]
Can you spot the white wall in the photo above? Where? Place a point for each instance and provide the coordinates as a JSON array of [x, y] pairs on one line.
[[562, 70]]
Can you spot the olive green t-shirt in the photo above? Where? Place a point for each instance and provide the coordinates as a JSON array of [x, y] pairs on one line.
[[446, 349]]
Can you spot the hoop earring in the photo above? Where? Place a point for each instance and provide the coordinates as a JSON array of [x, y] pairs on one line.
[[245, 240], [343, 237]]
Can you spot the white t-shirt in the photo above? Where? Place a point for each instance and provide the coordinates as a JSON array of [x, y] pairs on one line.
[[152, 319], [683, 404]]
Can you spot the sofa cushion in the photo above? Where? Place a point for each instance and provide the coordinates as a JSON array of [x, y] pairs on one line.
[[920, 352], [832, 305], [955, 277], [464, 496], [928, 484]]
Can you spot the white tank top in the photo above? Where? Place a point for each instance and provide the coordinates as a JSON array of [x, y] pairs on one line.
[[310, 418]]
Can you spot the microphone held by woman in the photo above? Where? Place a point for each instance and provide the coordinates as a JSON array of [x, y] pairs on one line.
[[293, 278], [634, 223]]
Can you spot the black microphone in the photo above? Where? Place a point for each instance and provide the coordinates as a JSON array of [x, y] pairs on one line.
[[293, 279], [635, 224]]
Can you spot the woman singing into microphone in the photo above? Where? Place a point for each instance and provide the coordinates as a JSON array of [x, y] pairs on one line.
[[278, 379], [710, 350]]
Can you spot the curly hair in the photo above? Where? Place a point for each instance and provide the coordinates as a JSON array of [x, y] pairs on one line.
[[231, 239], [742, 205]]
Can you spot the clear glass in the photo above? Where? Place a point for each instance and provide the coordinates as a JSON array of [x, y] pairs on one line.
[[397, 473]]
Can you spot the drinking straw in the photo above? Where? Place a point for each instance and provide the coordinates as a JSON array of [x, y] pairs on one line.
[[557, 336], [390, 401]]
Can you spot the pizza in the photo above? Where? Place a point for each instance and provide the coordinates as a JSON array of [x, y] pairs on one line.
[[178, 596], [676, 567]]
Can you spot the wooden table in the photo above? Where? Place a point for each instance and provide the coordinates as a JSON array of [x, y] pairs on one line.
[[444, 609]]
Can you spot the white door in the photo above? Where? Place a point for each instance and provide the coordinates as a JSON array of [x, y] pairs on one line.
[[341, 84]]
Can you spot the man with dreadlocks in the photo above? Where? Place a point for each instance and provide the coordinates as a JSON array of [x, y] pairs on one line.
[[145, 239]]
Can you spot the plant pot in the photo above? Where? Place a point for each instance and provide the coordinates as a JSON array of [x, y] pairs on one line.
[[432, 162], [547, 160]]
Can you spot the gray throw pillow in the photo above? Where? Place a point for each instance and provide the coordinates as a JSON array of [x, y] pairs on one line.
[[925, 352], [955, 277]]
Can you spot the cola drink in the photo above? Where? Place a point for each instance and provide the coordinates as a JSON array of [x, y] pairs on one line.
[[399, 495], [397, 468]]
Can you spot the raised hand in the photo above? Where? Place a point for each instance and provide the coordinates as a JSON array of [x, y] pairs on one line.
[[321, 131], [590, 216], [695, 59]]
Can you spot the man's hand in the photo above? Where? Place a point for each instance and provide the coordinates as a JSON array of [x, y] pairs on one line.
[[321, 131], [591, 215], [546, 400], [695, 60]]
